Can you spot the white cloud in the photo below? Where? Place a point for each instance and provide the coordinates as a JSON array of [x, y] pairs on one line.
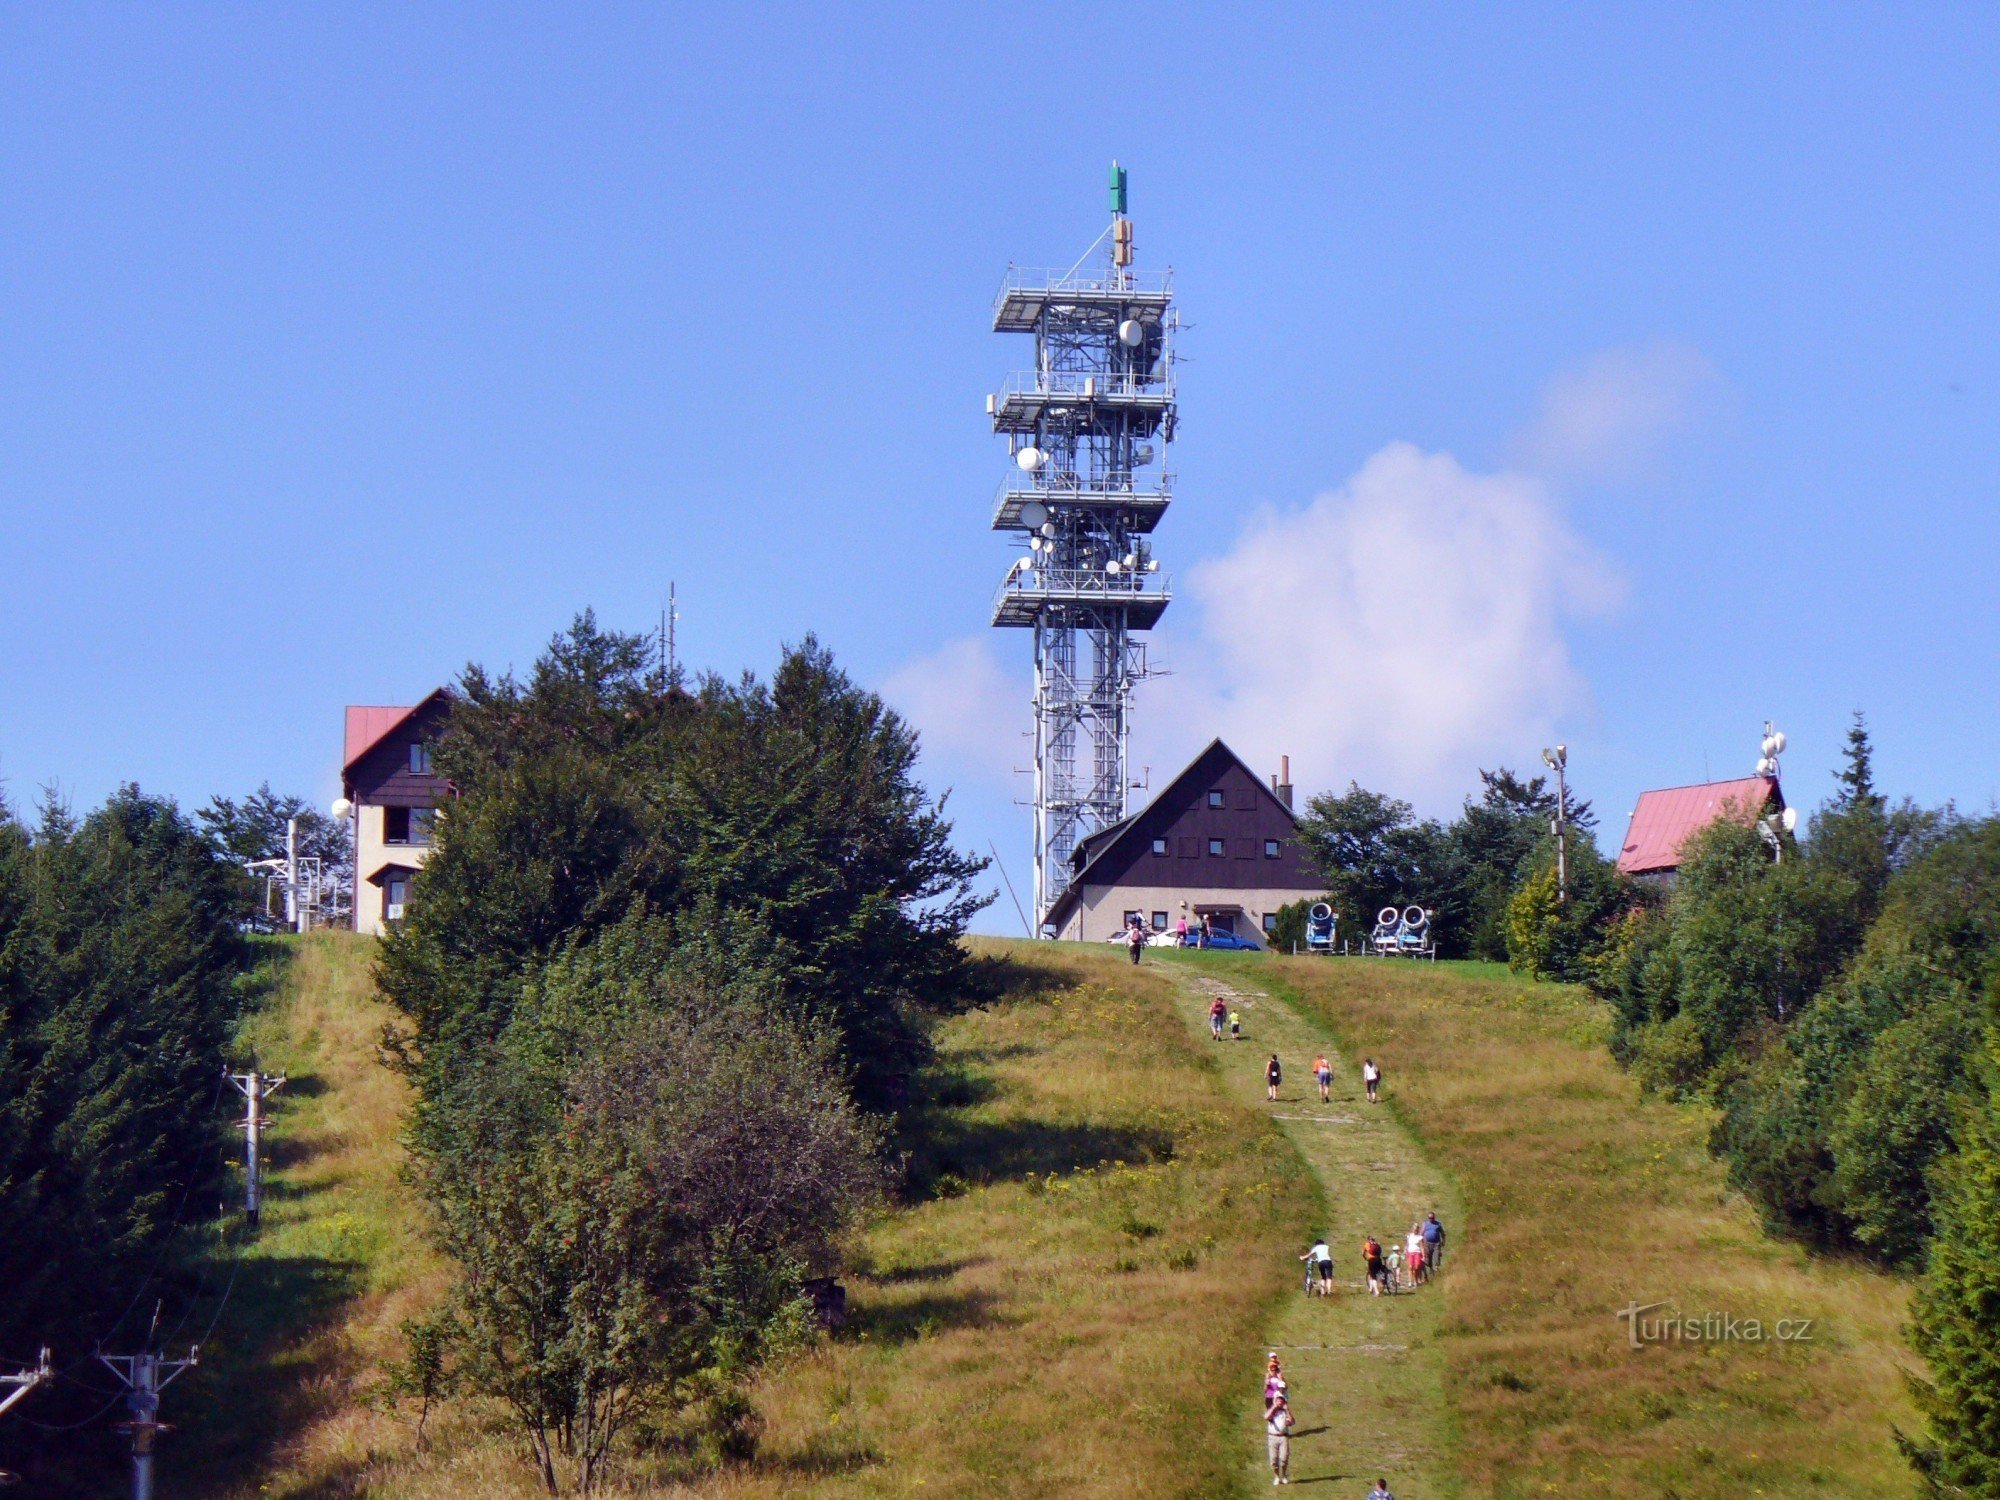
[[970, 710], [1400, 630], [1613, 417]]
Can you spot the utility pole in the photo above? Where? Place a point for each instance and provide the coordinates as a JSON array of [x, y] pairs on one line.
[[1557, 760], [255, 1088], [145, 1376], [25, 1382]]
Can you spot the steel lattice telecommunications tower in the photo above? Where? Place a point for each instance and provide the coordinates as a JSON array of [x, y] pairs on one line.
[[1088, 429]]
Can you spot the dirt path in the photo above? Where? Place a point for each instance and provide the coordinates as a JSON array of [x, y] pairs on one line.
[[1365, 1372]]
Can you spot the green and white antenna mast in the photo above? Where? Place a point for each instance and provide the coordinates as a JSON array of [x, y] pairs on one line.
[[1088, 429]]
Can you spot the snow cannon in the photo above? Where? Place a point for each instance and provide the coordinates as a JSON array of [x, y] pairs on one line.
[[1320, 922]]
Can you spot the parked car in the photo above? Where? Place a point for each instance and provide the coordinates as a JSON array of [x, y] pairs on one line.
[[1232, 941]]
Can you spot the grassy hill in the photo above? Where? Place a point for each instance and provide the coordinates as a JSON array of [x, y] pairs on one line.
[[1581, 1198], [1081, 1273], [1076, 1294]]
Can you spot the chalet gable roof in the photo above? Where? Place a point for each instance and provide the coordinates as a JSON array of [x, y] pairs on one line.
[[1104, 843], [369, 724], [1664, 820]]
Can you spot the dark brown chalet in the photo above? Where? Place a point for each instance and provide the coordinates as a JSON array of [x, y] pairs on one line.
[[1217, 842]]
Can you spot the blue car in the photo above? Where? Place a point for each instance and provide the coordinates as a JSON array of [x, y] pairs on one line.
[[1230, 940]]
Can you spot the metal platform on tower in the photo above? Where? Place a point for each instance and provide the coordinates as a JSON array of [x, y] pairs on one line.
[[1138, 399], [1028, 597], [1012, 501], [1026, 294]]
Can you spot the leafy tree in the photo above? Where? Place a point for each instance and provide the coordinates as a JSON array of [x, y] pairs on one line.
[[1956, 1323], [1552, 938], [1372, 852], [633, 1178], [1898, 1119], [792, 805], [1498, 841]]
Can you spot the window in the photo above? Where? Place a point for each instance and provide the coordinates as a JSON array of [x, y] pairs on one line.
[[1159, 921], [1270, 922], [1215, 797], [1215, 846], [1133, 919], [1159, 846], [395, 896], [420, 759], [407, 825], [1270, 848]]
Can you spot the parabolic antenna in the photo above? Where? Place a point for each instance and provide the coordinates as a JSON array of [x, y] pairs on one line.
[[1033, 514], [1142, 454], [1029, 458], [1790, 819], [1131, 333], [342, 807]]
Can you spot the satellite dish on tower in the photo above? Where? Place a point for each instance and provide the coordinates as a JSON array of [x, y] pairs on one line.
[[1033, 513], [1131, 333], [1029, 458], [1142, 454]]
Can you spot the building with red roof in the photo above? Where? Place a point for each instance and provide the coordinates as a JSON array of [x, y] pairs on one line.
[[1663, 821], [386, 777]]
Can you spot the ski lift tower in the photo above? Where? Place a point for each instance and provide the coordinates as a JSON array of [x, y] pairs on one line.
[[1087, 429]]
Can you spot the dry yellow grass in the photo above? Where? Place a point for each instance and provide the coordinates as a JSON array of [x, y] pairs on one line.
[[1069, 1309], [1580, 1198]]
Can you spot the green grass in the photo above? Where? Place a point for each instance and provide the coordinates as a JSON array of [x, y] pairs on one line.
[[1072, 1300], [1366, 1373], [1076, 1296], [1579, 1198]]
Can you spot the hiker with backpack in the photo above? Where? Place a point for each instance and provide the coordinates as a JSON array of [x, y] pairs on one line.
[[1371, 1260], [1135, 939], [1274, 1074]]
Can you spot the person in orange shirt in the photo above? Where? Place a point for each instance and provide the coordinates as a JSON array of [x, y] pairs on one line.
[[1323, 1072]]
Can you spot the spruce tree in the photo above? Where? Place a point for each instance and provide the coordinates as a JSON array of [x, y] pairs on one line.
[[1851, 834]]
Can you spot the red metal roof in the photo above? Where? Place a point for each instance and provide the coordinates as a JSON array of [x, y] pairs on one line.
[[1662, 821], [368, 724]]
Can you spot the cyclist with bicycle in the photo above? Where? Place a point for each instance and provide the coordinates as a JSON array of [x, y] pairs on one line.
[[1319, 1264]]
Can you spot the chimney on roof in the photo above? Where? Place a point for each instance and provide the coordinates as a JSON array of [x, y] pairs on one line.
[[1281, 783]]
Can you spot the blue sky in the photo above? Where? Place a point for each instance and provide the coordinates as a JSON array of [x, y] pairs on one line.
[[1623, 375]]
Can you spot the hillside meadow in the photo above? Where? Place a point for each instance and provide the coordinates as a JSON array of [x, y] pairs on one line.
[[1065, 1302], [1581, 1199]]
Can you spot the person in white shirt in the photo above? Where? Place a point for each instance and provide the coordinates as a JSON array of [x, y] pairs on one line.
[[1371, 1077], [1319, 1261]]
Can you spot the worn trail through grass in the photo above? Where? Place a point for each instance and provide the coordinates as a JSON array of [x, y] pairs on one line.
[[1366, 1373]]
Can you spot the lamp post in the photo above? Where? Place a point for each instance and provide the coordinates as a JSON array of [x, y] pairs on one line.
[[1557, 760]]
